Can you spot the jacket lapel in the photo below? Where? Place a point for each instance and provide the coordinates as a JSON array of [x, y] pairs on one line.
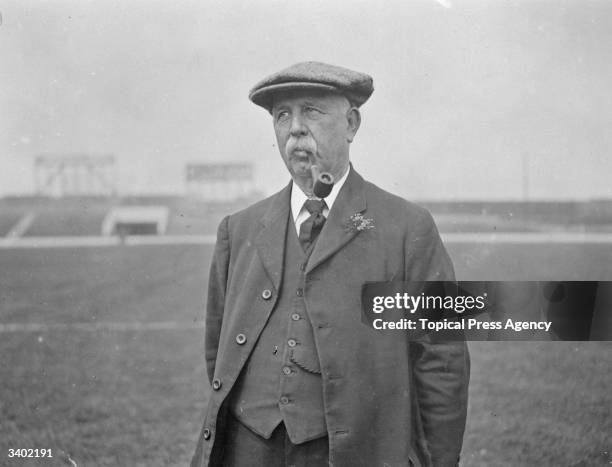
[[335, 233], [270, 242]]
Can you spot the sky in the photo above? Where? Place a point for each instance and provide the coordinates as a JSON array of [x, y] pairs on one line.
[[471, 97]]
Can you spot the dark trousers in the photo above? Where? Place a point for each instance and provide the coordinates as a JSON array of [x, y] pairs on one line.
[[243, 448]]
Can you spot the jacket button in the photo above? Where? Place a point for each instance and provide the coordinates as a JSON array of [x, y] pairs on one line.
[[207, 434], [240, 339], [292, 342], [295, 316], [284, 400], [287, 370], [216, 385], [266, 294]]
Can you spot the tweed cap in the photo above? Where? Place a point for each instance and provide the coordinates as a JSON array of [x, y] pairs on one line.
[[356, 86]]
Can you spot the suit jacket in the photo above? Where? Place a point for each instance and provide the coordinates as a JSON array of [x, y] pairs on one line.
[[388, 401]]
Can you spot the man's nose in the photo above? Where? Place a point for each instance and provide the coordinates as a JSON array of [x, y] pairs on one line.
[[298, 128]]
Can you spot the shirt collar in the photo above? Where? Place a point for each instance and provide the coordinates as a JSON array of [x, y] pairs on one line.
[[298, 197]]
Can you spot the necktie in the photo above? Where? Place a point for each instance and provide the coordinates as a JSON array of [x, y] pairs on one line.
[[311, 227]]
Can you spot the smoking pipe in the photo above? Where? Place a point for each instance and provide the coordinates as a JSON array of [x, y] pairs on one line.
[[323, 182]]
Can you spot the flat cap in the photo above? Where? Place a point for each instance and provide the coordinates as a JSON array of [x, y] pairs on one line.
[[356, 86]]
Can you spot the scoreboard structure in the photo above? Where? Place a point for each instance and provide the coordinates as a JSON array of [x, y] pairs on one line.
[[75, 175], [228, 181]]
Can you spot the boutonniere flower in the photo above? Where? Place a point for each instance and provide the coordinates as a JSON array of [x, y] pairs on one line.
[[358, 223]]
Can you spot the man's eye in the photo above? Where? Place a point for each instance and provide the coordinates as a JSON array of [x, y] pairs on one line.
[[282, 115], [312, 111]]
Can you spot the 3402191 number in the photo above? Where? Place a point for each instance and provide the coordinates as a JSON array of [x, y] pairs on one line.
[[23, 452]]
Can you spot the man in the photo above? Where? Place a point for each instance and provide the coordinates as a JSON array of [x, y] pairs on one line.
[[297, 378]]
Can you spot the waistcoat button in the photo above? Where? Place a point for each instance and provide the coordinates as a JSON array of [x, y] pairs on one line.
[[266, 294], [216, 384], [207, 434], [240, 339]]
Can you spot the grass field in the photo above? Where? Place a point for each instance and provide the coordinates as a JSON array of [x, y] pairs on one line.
[[136, 397]]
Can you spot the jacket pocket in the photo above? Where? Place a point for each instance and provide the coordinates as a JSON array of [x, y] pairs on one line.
[[306, 360]]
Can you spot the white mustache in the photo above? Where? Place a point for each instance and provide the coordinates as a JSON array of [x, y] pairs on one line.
[[305, 144]]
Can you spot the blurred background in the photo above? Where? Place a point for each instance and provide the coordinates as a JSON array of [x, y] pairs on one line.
[[127, 134]]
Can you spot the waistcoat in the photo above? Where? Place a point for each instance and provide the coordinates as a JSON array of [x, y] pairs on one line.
[[282, 381]]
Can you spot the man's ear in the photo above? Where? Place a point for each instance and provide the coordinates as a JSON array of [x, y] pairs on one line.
[[354, 120]]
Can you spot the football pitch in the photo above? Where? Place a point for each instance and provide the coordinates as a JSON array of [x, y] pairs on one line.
[[101, 359]]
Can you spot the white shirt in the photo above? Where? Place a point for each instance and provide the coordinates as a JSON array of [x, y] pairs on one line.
[[298, 198]]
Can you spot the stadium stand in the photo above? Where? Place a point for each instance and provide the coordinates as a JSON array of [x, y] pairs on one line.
[[8, 220], [84, 216], [83, 219], [78, 216]]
